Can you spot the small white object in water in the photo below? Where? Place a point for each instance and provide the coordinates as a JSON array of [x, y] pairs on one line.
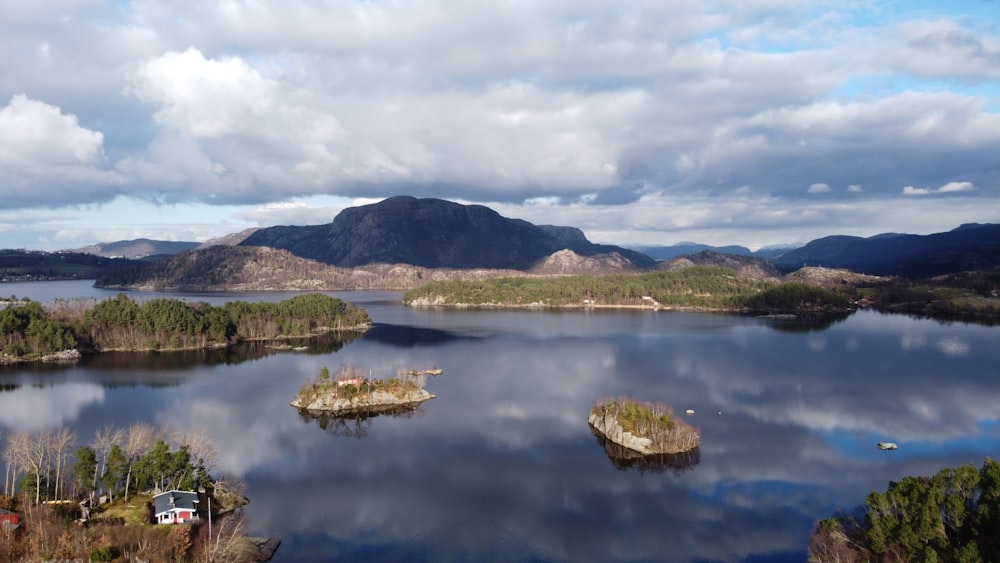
[[690, 411]]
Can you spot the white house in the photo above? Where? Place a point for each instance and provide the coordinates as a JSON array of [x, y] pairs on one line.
[[175, 507]]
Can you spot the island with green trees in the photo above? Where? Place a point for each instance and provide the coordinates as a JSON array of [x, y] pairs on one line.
[[93, 500], [65, 329], [952, 516], [645, 428], [352, 391], [704, 288]]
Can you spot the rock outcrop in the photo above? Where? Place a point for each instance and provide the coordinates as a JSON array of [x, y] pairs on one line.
[[611, 430], [379, 400]]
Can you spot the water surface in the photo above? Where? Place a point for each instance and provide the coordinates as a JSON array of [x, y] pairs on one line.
[[502, 465]]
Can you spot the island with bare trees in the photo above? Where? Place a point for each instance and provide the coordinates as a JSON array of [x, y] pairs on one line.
[[352, 391], [645, 428]]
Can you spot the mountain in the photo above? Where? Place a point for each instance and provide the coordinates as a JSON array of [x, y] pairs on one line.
[[135, 249], [567, 262], [229, 240], [970, 246], [748, 267], [689, 248], [432, 233]]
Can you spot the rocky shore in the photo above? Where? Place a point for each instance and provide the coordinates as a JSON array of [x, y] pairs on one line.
[[659, 434], [376, 401]]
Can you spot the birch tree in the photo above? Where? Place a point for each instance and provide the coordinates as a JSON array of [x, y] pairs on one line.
[[140, 441], [104, 439], [61, 442]]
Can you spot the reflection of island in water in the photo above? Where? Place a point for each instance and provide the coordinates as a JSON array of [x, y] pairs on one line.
[[625, 459], [356, 425], [805, 322], [236, 354]]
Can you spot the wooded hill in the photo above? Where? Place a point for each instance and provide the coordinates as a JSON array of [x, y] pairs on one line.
[[709, 288], [30, 265], [30, 331], [952, 516]]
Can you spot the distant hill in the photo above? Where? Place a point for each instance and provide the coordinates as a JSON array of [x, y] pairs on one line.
[[567, 262], [689, 248], [136, 249], [256, 268], [747, 267], [229, 240], [21, 265], [971, 246], [432, 233]]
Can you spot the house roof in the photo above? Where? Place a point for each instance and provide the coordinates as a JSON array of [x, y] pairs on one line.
[[174, 500]]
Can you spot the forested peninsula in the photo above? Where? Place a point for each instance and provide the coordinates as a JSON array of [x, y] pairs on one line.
[[65, 329], [697, 288], [952, 516]]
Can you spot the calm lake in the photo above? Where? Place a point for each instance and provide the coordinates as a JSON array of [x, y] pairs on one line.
[[502, 465]]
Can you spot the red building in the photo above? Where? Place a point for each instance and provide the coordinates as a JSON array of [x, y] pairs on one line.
[[8, 518]]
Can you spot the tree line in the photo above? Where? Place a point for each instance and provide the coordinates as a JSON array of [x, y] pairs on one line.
[[707, 287], [30, 330], [53, 465], [952, 516]]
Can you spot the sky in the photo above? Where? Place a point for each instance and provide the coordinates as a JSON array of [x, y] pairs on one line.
[[642, 122]]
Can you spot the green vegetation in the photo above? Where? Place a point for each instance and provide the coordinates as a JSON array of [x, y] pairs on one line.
[[953, 516], [703, 287], [699, 287], [30, 331], [27, 265], [797, 296], [654, 421], [966, 296]]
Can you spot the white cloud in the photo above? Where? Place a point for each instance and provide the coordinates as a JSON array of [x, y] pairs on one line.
[[47, 158], [35, 135], [248, 103], [956, 187], [950, 187]]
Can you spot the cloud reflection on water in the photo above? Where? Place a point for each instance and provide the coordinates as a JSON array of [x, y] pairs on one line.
[[503, 461]]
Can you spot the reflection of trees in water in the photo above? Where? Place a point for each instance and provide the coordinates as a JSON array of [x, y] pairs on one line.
[[805, 322], [356, 425], [232, 355], [625, 459]]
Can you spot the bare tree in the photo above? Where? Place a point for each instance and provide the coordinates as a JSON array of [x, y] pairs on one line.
[[140, 441], [104, 439], [14, 456], [201, 447], [61, 442], [229, 543], [36, 459]]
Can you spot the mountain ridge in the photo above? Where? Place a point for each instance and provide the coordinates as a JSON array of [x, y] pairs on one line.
[[432, 233]]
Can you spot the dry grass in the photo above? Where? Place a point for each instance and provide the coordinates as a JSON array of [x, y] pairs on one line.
[[136, 510]]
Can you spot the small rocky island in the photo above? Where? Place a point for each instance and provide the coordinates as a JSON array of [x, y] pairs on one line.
[[352, 392], [646, 428]]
